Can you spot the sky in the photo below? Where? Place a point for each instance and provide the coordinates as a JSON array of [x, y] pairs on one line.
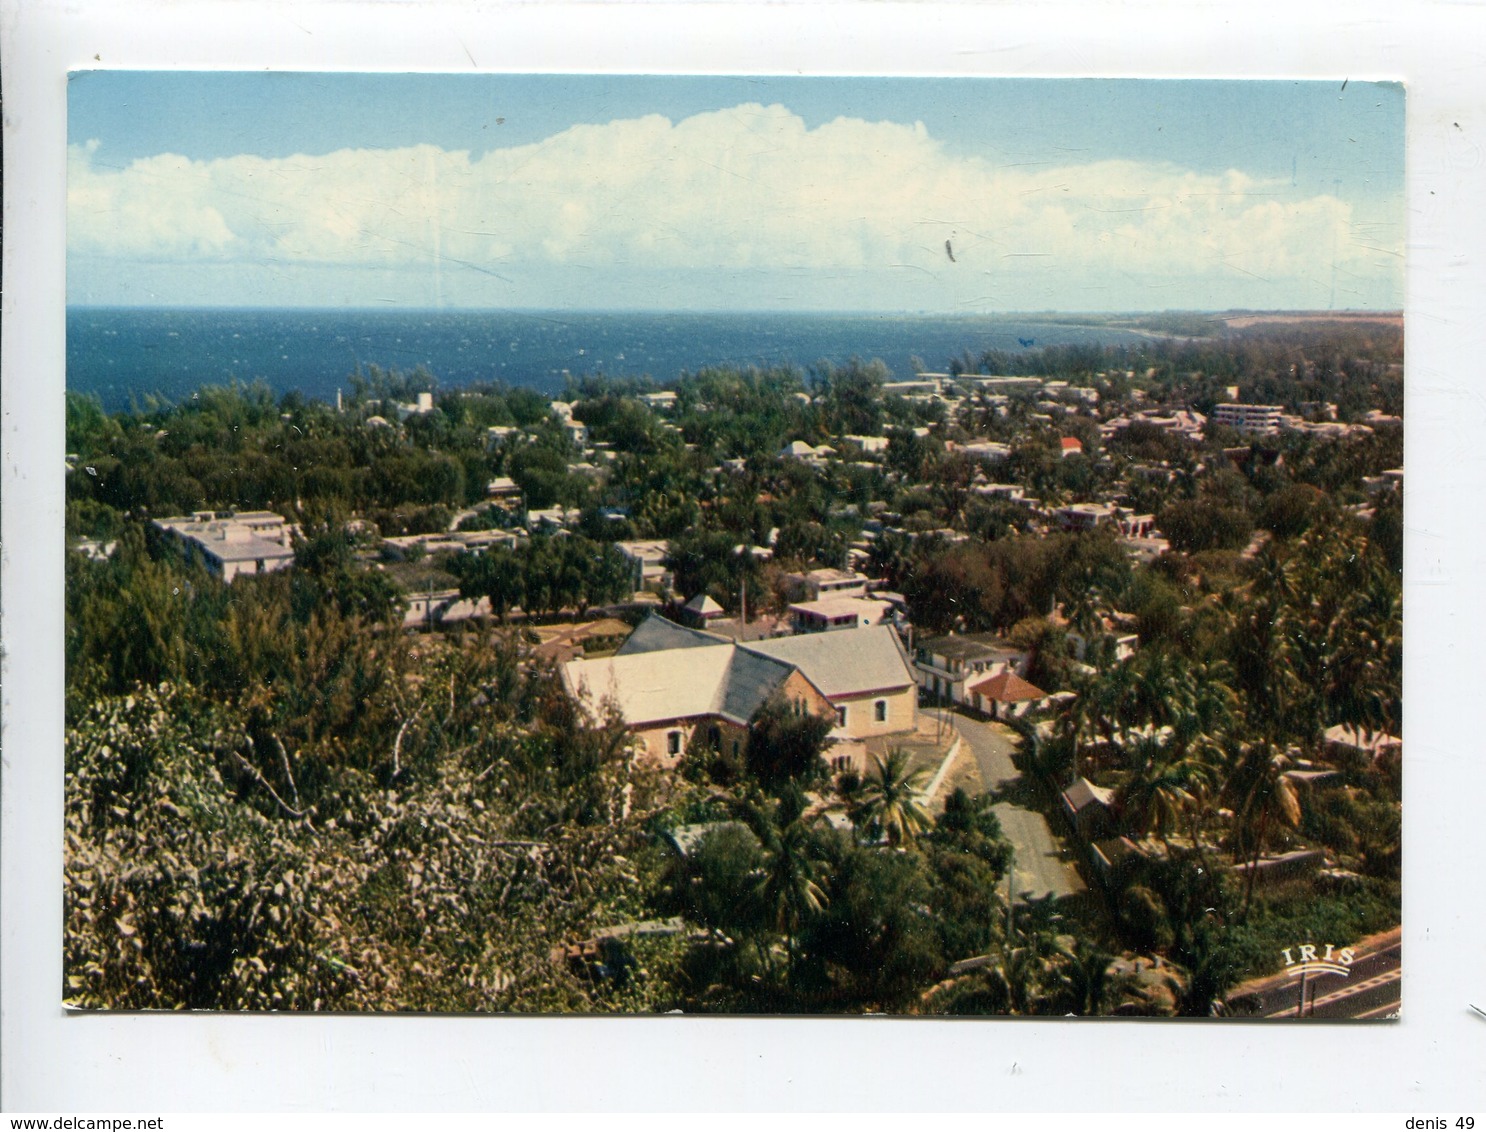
[[732, 193]]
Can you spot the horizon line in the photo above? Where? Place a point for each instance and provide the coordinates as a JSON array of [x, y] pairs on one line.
[[850, 312]]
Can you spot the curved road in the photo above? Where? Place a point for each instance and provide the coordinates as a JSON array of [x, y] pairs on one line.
[[1044, 866]]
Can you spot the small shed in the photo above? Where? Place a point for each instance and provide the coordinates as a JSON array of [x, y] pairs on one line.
[[1108, 854], [702, 610], [1090, 810]]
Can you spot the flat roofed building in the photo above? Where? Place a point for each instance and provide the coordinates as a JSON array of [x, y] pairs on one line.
[[497, 434], [1006, 383], [251, 542], [925, 383], [835, 613], [553, 517], [1392, 478], [434, 609], [472, 541], [987, 451], [813, 585], [1355, 742], [1087, 516], [502, 487], [1247, 418], [1084, 516], [647, 558], [1012, 493]]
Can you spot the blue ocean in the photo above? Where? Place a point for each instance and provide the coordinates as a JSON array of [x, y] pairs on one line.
[[123, 355]]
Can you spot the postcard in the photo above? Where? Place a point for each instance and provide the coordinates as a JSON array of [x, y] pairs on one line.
[[734, 545]]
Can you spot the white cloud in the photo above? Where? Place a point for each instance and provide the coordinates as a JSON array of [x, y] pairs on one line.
[[160, 206], [745, 189]]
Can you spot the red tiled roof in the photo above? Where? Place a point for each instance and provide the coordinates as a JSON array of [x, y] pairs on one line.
[[1008, 688], [1072, 444]]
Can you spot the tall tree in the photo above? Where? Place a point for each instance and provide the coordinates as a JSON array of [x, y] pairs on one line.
[[1260, 795], [785, 745], [787, 884], [890, 806]]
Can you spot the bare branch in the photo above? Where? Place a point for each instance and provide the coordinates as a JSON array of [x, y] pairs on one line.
[[397, 743], [300, 815], [284, 761]]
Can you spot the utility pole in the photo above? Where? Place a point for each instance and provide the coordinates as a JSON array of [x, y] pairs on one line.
[[1010, 913]]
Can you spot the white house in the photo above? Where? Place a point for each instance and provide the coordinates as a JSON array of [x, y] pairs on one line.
[[802, 450], [1247, 418], [835, 613], [945, 666], [813, 585], [249, 542], [647, 560]]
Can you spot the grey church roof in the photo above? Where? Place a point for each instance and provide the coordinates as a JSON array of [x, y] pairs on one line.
[[844, 662], [656, 634], [668, 684], [750, 681]]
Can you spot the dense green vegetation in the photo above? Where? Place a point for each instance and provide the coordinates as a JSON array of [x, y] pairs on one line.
[[277, 798]]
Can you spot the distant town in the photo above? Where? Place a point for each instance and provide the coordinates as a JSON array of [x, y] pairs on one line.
[[1063, 681]]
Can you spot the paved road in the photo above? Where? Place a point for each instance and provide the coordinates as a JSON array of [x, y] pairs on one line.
[[1043, 864], [1372, 989]]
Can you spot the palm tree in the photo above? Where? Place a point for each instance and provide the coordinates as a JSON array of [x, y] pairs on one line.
[[1088, 980], [892, 556], [1161, 790], [890, 806], [786, 884], [1262, 638], [1103, 706], [1210, 972], [1010, 984], [1165, 690], [1258, 792], [1048, 751], [1360, 678], [1211, 709], [1018, 977]]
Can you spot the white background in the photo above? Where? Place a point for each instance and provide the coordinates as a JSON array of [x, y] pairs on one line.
[[1433, 1060]]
